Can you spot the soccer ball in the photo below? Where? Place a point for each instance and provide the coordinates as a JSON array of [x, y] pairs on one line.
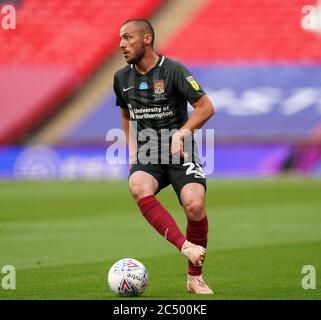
[[128, 278]]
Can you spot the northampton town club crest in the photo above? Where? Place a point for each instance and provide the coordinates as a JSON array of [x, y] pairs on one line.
[[159, 90]]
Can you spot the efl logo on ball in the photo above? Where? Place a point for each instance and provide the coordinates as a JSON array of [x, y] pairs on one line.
[[128, 278]]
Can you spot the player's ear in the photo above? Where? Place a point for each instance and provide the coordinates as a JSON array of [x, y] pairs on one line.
[[148, 39]]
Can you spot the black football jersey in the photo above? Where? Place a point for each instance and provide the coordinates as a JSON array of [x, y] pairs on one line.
[[158, 99]]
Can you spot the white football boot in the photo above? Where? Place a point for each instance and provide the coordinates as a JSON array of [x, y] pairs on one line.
[[196, 284]]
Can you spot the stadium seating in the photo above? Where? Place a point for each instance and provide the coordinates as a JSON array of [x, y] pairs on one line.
[[56, 37], [68, 32], [246, 31], [262, 71], [256, 99]]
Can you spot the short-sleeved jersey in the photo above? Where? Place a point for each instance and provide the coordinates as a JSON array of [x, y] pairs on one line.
[[158, 99]]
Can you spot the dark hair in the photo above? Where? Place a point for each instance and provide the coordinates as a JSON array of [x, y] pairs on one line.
[[145, 25]]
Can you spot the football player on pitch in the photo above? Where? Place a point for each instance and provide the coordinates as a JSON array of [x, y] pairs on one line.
[[152, 92]]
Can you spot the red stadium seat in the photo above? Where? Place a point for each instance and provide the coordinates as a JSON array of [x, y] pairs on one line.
[[249, 30], [74, 36]]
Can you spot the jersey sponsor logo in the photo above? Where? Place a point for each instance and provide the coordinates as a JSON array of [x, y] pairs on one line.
[[193, 83], [138, 112], [159, 86], [143, 86], [126, 89]]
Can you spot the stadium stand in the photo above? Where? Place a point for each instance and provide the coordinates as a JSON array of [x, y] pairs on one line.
[[55, 47], [246, 31], [251, 61], [267, 94], [261, 69]]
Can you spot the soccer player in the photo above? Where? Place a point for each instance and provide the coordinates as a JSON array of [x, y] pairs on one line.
[[152, 92]]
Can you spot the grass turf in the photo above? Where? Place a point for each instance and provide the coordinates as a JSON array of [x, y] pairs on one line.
[[62, 237]]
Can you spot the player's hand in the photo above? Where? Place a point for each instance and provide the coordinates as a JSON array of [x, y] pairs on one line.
[[177, 146]]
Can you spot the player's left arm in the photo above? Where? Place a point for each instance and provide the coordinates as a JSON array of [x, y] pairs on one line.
[[203, 111], [190, 89]]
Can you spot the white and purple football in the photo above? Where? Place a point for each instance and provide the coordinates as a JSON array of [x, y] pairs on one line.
[[128, 278]]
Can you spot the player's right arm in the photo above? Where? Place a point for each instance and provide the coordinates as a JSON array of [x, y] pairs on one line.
[[130, 135], [126, 123]]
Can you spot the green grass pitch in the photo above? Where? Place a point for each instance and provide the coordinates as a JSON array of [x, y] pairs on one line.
[[62, 238]]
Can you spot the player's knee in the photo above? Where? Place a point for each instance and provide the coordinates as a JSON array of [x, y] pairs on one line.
[[139, 191], [195, 210]]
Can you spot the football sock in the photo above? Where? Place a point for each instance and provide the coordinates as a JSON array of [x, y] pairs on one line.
[[196, 232], [161, 220]]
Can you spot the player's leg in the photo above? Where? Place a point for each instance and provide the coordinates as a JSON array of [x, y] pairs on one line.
[[192, 197], [144, 185], [189, 183]]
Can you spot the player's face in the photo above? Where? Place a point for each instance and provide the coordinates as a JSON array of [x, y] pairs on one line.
[[132, 43]]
